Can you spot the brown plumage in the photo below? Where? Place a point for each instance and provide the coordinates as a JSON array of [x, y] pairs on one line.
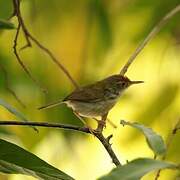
[[98, 98]]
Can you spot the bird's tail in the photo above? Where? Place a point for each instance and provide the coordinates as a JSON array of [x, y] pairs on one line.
[[51, 105]]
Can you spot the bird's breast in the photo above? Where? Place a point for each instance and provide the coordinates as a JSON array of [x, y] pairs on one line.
[[91, 109]]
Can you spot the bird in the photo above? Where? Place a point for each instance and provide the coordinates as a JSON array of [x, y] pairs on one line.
[[97, 99]]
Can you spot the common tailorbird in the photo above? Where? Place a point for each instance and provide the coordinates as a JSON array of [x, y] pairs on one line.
[[97, 99]]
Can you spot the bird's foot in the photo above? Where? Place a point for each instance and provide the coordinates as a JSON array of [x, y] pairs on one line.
[[101, 125], [91, 130]]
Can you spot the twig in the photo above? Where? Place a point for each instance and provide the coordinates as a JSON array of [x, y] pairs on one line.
[[21, 62], [7, 86], [105, 141], [54, 59], [169, 141], [111, 123], [21, 22], [45, 124], [16, 4], [99, 135], [153, 32], [108, 148], [29, 37]]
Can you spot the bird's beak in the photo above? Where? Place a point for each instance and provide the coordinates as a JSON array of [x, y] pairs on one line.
[[136, 82]]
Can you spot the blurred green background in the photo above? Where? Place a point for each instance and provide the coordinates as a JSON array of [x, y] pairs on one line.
[[93, 39]]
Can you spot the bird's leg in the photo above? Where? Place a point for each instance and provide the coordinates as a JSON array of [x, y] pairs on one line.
[[79, 117], [85, 124], [108, 120], [102, 123]]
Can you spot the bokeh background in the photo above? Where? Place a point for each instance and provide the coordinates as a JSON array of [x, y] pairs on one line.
[[93, 39]]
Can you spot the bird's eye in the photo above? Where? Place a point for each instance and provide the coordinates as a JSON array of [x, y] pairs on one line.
[[123, 84]]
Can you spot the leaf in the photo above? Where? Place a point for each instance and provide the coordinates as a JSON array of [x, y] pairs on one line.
[[6, 24], [136, 169], [154, 140], [14, 111], [15, 160]]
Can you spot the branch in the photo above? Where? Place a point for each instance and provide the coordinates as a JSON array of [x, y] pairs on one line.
[[169, 141], [7, 86], [30, 38], [21, 62], [151, 35], [45, 124], [47, 51], [108, 148], [99, 135]]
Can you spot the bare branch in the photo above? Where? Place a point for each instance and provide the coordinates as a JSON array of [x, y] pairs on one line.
[[28, 36], [21, 62], [54, 60], [45, 124], [108, 148], [21, 22], [99, 135], [109, 138], [151, 35], [7, 86]]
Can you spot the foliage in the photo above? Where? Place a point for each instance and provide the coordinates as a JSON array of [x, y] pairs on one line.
[[6, 24], [15, 160], [136, 169], [154, 140]]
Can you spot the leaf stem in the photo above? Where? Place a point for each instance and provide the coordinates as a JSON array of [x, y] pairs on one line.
[[151, 35]]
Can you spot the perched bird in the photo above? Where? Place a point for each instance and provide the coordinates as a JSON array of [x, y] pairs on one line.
[[97, 99]]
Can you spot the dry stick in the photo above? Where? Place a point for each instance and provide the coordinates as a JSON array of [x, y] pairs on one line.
[[99, 135], [169, 141], [20, 22], [106, 141], [54, 59], [21, 62], [153, 32], [7, 86], [45, 124], [29, 37]]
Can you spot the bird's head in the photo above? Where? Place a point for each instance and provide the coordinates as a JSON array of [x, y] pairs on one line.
[[122, 82]]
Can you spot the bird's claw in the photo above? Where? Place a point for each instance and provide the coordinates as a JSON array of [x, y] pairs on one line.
[[91, 130]]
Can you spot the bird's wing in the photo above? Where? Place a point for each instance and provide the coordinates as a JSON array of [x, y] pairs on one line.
[[91, 93]]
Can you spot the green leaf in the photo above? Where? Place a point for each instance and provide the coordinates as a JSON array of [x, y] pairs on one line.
[[136, 169], [14, 111], [154, 140], [15, 160], [6, 24]]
